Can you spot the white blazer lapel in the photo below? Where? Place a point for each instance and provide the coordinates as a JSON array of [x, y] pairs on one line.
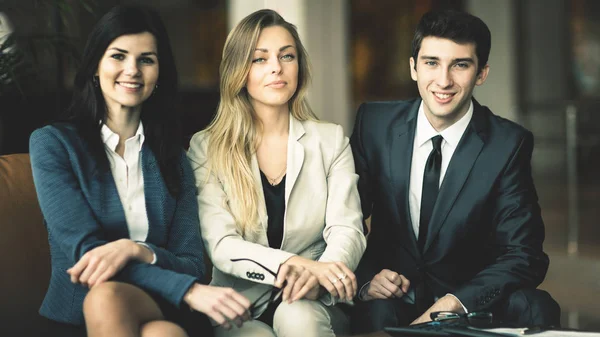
[[295, 156]]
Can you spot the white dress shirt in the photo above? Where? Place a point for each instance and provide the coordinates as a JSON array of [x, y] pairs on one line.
[[422, 148], [129, 178]]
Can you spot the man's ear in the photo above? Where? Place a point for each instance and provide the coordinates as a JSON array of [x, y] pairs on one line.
[[483, 74], [413, 70]]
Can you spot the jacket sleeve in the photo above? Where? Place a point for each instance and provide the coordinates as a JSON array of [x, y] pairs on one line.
[[364, 271], [224, 243], [184, 251], [518, 237], [343, 217], [71, 221]]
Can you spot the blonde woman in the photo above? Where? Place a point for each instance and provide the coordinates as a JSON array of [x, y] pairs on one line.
[[279, 207]]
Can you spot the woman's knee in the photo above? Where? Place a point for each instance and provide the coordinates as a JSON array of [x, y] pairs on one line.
[[254, 328], [161, 329], [120, 300], [304, 318], [103, 296]]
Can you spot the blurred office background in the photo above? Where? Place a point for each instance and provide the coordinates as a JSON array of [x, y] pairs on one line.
[[545, 74]]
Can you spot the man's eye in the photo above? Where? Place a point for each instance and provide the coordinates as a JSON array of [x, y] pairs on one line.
[[430, 63], [462, 65]]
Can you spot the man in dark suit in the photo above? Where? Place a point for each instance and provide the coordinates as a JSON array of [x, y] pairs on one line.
[[455, 220]]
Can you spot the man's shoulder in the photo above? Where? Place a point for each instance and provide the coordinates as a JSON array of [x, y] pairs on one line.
[[382, 114], [389, 108], [503, 127]]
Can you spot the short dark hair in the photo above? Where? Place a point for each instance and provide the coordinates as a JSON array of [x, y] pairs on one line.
[[460, 27], [161, 122]]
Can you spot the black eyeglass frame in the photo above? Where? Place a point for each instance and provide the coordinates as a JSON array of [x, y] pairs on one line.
[[274, 292], [471, 317]]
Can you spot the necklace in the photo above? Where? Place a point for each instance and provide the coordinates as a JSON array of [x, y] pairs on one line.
[[273, 181]]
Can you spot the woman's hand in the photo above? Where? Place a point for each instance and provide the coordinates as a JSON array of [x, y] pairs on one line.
[[336, 277], [299, 281], [223, 305], [101, 263], [315, 292]]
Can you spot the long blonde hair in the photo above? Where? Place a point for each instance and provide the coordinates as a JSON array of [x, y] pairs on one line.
[[233, 133]]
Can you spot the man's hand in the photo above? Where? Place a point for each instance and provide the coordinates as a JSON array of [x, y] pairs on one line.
[[446, 303], [387, 284]]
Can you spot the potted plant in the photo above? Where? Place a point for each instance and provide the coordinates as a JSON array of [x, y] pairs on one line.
[[34, 58]]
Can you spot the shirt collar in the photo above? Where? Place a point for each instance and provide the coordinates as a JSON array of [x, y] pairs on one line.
[[111, 139], [451, 134]]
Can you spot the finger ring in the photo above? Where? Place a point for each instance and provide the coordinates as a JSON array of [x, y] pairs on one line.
[[342, 276], [334, 281]]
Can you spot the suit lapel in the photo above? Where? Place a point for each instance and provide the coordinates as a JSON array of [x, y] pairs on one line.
[[458, 171], [111, 207], [401, 150], [156, 195], [295, 156]]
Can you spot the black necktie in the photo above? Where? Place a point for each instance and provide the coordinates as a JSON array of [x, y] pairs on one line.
[[431, 183]]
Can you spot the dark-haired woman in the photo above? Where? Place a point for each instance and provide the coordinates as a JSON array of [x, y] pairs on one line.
[[119, 198]]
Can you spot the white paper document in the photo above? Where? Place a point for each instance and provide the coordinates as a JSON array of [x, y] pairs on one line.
[[547, 333]]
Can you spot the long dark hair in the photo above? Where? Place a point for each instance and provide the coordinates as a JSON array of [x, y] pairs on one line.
[[161, 122]]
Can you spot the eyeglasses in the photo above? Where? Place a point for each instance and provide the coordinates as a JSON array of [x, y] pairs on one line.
[[269, 296], [473, 318]]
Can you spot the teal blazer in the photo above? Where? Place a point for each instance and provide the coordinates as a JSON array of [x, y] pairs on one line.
[[82, 210]]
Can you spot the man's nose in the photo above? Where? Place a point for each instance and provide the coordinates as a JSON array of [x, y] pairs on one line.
[[444, 78]]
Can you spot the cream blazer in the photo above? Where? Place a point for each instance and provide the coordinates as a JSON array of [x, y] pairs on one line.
[[322, 221]]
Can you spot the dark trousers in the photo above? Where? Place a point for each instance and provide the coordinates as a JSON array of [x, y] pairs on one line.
[[525, 307]]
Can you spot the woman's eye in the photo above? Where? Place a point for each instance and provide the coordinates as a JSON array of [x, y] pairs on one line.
[[147, 60], [288, 57], [119, 57], [258, 60]]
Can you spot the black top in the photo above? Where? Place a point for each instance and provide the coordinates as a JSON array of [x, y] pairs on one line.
[[275, 201]]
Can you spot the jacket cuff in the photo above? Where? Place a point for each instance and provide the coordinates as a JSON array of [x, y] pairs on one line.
[[150, 249], [461, 304]]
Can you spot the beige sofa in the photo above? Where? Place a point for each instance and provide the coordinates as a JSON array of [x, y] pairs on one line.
[[24, 251]]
